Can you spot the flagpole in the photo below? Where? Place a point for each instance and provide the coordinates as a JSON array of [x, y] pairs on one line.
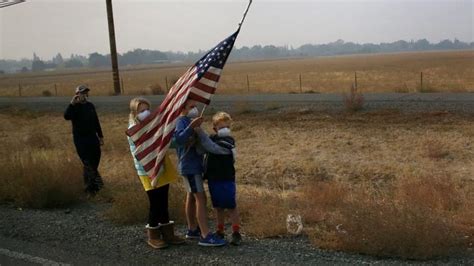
[[240, 25], [245, 14]]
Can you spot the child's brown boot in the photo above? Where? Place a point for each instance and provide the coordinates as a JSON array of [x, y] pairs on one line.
[[168, 234], [154, 238]]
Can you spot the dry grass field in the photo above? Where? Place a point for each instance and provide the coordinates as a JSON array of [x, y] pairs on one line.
[[381, 183], [442, 72]]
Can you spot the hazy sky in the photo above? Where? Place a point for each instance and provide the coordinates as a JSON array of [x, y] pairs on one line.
[[80, 26]]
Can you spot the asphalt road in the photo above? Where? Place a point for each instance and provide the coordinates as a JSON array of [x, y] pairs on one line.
[[463, 102]]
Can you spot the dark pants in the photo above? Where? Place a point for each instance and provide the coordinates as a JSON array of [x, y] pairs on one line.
[[88, 149], [158, 206]]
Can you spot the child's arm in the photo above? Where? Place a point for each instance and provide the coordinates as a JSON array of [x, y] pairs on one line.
[[183, 132], [209, 145], [70, 112], [97, 125]]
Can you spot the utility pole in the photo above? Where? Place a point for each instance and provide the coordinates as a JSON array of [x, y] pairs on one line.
[[301, 85], [421, 81], [355, 80], [113, 48]]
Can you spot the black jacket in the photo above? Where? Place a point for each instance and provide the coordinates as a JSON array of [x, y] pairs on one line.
[[84, 120], [220, 166]]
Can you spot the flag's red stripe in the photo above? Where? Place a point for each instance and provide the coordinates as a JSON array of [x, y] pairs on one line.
[[156, 165], [159, 111], [191, 74], [149, 134], [205, 87], [164, 145], [151, 164], [211, 76], [133, 130], [157, 168], [198, 98], [155, 147], [160, 142], [156, 143], [165, 116]]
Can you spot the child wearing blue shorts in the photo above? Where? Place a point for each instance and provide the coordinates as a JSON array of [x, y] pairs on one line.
[[190, 166], [219, 170]]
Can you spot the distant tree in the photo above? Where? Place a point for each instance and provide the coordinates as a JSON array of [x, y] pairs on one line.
[[398, 46], [139, 56], [423, 44], [98, 60], [269, 51], [142, 56], [444, 45], [368, 48], [38, 65], [73, 63], [50, 65], [58, 59], [84, 60], [460, 45]]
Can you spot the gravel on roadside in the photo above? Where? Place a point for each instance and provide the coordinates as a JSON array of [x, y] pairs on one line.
[[81, 235]]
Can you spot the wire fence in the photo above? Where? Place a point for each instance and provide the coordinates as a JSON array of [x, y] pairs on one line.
[[334, 82]]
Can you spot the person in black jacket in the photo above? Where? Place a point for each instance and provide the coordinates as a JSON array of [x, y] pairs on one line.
[[220, 173], [87, 135]]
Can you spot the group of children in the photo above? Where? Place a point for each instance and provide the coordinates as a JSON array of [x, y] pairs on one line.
[[200, 157]]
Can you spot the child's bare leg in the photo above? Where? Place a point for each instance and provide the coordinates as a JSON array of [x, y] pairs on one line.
[[201, 212], [190, 209], [220, 215], [234, 216], [235, 219]]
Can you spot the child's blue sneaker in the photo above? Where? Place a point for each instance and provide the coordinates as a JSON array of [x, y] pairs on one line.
[[193, 234], [212, 240]]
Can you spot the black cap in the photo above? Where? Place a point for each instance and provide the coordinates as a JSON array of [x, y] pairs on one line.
[[82, 89]]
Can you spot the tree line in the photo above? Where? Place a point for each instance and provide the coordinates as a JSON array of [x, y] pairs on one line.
[[256, 52]]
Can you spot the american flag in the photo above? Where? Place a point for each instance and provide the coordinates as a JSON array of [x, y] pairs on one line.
[[152, 136], [5, 3]]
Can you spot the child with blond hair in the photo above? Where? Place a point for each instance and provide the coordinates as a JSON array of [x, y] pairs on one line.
[[219, 171], [191, 167], [160, 228]]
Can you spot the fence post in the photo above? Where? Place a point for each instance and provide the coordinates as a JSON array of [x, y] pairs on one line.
[[121, 85], [421, 81], [248, 84], [166, 80], [355, 80], [55, 89], [19, 88], [301, 86]]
